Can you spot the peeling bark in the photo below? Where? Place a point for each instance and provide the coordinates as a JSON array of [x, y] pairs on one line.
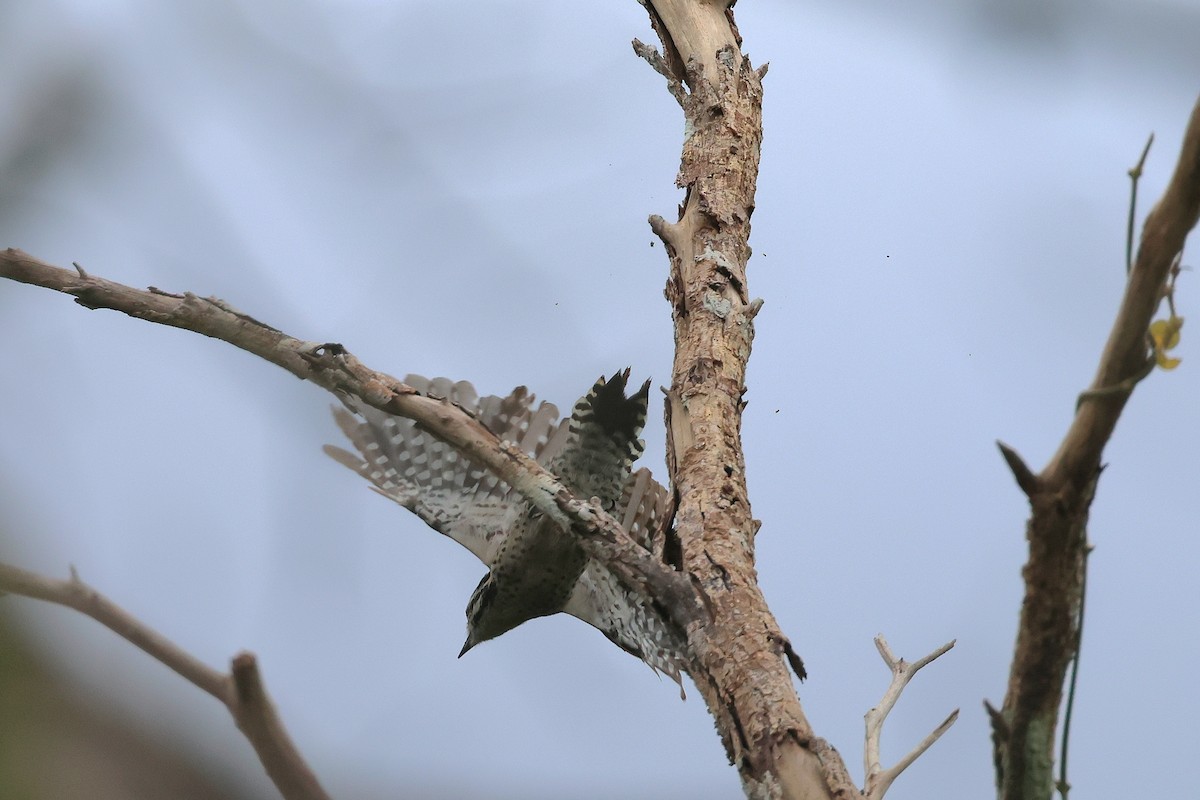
[[742, 657]]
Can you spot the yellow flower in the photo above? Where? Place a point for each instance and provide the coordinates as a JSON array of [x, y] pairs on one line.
[[1165, 333]]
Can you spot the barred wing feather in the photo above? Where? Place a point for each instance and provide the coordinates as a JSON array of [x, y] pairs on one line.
[[451, 493], [459, 497]]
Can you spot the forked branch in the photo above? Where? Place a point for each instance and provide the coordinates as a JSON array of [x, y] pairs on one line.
[[241, 691], [878, 779]]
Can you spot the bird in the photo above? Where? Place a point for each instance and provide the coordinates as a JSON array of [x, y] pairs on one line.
[[535, 568]]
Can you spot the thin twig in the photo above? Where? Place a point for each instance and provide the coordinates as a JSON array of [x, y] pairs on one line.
[[1064, 786], [878, 780], [242, 693], [1135, 174], [74, 593], [257, 719]]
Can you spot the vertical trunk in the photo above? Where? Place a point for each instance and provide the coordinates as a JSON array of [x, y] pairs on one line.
[[741, 657]]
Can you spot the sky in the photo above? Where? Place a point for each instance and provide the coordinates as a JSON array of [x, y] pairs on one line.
[[461, 189]]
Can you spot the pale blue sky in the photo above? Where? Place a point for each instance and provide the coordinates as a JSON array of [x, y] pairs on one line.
[[461, 189]]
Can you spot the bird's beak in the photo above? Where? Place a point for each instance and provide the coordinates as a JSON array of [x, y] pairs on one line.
[[466, 646]]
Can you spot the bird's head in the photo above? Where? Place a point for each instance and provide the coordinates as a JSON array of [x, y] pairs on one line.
[[486, 618]]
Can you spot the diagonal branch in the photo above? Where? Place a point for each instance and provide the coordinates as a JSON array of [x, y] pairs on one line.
[[332, 367], [1125, 354], [1061, 495], [242, 691]]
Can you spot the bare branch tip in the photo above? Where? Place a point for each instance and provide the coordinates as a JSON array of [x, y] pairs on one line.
[[941, 651], [1000, 727], [663, 230], [247, 682], [885, 651], [881, 781], [82, 273], [1135, 171], [659, 64], [794, 660], [1023, 475]]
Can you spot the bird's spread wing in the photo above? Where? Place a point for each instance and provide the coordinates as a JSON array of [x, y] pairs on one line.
[[451, 493], [644, 509], [599, 599], [625, 618], [463, 500]]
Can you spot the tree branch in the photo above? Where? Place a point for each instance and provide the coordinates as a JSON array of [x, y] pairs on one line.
[[241, 692], [879, 780], [1125, 354], [1061, 496], [332, 367]]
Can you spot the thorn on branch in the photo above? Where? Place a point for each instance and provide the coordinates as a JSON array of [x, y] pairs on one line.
[[794, 660], [80, 270], [1025, 478], [1000, 728]]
